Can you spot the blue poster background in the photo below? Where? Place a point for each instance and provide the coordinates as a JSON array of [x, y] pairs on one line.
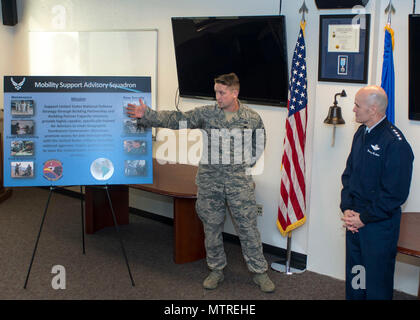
[[75, 131]]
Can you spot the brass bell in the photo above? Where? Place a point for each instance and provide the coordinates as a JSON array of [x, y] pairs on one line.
[[334, 114]]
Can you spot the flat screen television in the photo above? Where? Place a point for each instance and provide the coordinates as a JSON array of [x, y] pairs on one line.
[[413, 67], [253, 47]]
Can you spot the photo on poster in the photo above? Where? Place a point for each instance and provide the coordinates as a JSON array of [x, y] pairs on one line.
[[22, 107], [135, 147], [131, 127], [22, 169], [21, 148], [22, 127], [135, 168]]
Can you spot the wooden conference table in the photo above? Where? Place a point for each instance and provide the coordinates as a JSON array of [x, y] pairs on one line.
[[173, 180], [409, 241]]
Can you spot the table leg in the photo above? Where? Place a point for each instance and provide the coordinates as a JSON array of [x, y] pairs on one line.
[[188, 230], [98, 214], [5, 193]]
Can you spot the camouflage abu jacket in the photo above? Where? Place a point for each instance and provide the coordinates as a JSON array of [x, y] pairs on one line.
[[229, 146]]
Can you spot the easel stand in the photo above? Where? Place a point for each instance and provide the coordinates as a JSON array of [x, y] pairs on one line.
[[83, 231], [119, 235], [285, 267]]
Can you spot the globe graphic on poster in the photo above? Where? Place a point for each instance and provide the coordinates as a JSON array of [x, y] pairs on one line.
[[102, 169]]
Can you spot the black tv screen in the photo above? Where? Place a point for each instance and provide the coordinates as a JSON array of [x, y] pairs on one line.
[[252, 47], [414, 67]]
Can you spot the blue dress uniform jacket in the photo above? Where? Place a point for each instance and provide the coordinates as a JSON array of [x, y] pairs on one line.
[[376, 183]]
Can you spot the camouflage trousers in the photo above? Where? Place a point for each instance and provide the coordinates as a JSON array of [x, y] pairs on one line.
[[212, 201]]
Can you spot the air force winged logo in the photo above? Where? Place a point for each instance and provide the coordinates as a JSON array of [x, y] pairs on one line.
[[17, 85], [374, 148]]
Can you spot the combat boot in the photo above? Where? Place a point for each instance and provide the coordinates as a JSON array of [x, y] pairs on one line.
[[264, 282], [213, 279]]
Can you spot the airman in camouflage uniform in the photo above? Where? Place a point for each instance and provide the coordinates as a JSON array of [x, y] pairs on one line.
[[234, 139]]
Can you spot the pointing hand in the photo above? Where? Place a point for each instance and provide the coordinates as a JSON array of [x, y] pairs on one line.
[[136, 111]]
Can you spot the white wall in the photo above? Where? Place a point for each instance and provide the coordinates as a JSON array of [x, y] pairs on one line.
[[322, 237], [6, 60], [6, 56]]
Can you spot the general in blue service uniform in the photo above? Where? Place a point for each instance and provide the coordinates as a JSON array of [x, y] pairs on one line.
[[376, 183]]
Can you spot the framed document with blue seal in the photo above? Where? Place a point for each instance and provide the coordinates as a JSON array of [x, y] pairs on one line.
[[344, 48]]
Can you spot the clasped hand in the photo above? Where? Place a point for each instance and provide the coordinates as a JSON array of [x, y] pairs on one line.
[[352, 221], [136, 111]]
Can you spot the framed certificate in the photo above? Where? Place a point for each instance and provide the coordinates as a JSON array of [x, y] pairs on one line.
[[343, 48]]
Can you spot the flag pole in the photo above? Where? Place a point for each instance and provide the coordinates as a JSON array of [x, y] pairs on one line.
[[298, 68], [285, 267]]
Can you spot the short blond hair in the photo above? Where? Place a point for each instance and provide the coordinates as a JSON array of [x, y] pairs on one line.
[[230, 79]]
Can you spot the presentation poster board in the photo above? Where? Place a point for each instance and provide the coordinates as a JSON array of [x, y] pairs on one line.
[[75, 131]]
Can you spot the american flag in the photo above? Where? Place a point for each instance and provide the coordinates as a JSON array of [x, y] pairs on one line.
[[292, 204]]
